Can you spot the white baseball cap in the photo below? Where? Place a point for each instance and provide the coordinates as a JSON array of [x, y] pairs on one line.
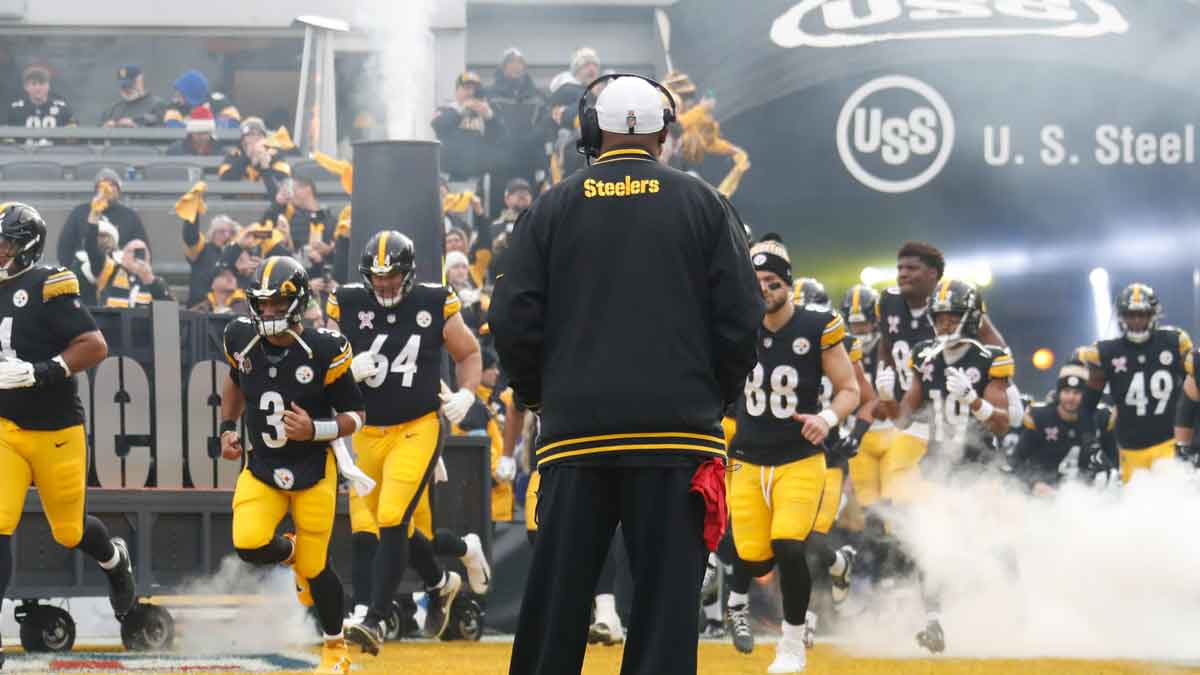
[[630, 102]]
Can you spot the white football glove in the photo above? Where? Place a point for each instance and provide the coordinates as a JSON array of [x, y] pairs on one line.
[[506, 469], [885, 383], [440, 475], [16, 374], [959, 386], [455, 406], [364, 366]]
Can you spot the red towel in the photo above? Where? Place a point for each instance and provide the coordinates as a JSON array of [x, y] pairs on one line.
[[709, 482]]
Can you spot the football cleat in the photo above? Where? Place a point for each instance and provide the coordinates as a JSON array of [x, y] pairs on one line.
[[841, 582], [713, 630], [437, 617], [708, 588], [790, 657], [368, 635], [932, 638], [606, 633], [739, 628], [335, 657], [122, 591], [479, 573]]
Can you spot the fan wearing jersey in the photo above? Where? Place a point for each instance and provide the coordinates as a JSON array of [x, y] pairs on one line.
[[398, 328], [777, 477], [46, 335], [293, 387], [956, 378], [1144, 371]]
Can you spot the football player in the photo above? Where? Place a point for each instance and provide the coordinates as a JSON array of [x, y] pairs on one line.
[[1052, 430], [778, 475], [399, 328], [1144, 371], [46, 336], [956, 377], [294, 387]]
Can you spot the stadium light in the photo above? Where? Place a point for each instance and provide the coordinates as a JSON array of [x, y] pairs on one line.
[[1043, 359], [1101, 301]]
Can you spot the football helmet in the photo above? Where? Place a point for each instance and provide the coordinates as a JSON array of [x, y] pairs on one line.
[[387, 253], [809, 291], [25, 230], [1138, 298], [859, 306], [278, 277], [954, 296]]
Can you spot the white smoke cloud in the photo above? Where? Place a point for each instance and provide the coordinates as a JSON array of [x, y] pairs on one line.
[[1087, 573], [401, 69]]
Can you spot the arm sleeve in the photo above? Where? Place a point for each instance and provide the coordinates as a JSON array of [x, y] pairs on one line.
[[737, 304], [518, 309]]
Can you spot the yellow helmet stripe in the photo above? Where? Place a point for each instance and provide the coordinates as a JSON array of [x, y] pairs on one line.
[[381, 255], [944, 290], [266, 277], [855, 304], [1137, 295]]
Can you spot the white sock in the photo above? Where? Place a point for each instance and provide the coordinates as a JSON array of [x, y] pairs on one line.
[[712, 612], [738, 600], [360, 610], [839, 564], [713, 560], [111, 564], [329, 637], [793, 632], [606, 604]]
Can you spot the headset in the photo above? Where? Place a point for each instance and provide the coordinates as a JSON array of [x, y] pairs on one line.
[[589, 141]]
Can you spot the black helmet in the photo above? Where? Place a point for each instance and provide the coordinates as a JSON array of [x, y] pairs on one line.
[[278, 277], [1138, 298], [21, 225], [953, 296], [858, 306], [389, 252], [809, 291]]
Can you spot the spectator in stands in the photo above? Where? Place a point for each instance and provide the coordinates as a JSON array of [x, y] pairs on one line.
[[128, 280], [255, 243], [518, 195], [311, 225], [456, 240], [488, 248], [199, 141], [203, 252], [474, 301], [253, 160], [191, 92], [224, 296], [136, 108], [565, 90], [39, 108], [470, 133], [86, 271], [106, 202], [457, 207], [521, 110]]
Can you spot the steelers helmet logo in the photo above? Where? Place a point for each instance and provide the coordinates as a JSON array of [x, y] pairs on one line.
[[1166, 358], [20, 298], [801, 346], [760, 259], [767, 342], [424, 319], [284, 478], [973, 375], [304, 374]]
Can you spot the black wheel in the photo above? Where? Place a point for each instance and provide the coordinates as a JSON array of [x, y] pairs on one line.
[[47, 628], [148, 628], [466, 621], [393, 623]]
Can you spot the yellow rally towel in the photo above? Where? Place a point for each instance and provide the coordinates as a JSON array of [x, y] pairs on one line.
[[457, 202], [341, 168], [191, 205], [343, 224], [280, 140]]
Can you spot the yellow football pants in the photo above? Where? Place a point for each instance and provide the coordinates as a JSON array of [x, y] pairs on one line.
[[774, 502], [887, 466], [258, 508], [53, 461], [1138, 460], [831, 500], [401, 459]]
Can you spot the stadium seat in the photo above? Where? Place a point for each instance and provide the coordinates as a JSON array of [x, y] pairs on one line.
[[88, 170], [63, 149], [132, 151], [12, 149], [32, 170], [172, 171], [310, 169]]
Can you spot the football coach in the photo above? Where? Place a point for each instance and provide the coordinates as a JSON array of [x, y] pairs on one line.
[[625, 315]]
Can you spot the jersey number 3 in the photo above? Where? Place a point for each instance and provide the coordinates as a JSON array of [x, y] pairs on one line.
[[405, 362]]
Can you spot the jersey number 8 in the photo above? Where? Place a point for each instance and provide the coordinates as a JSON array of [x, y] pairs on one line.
[[782, 396]]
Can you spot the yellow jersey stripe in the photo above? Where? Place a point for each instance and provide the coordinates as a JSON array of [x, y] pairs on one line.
[[636, 446], [833, 334], [624, 151], [338, 367], [67, 286], [617, 437]]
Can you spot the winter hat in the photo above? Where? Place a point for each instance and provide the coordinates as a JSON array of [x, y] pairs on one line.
[[582, 57], [456, 258], [200, 121], [194, 87]]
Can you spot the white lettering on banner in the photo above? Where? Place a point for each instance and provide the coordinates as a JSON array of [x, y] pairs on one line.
[[1114, 145], [843, 23], [922, 131]]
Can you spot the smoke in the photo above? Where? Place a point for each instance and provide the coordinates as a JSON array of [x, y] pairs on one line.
[[400, 72], [1087, 573], [267, 616]]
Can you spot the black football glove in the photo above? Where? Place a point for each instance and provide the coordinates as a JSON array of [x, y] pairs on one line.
[[1096, 459], [1189, 453]]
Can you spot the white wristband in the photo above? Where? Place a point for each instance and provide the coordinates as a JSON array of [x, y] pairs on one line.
[[985, 411], [830, 417], [325, 430], [62, 362], [358, 421]]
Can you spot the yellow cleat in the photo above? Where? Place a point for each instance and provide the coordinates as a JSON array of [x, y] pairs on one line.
[[335, 658]]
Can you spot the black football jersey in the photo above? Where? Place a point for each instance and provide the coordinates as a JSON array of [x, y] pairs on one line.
[[40, 314], [854, 348], [53, 113], [1049, 447], [951, 422], [1144, 381], [904, 330], [407, 341], [785, 381], [272, 379]]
